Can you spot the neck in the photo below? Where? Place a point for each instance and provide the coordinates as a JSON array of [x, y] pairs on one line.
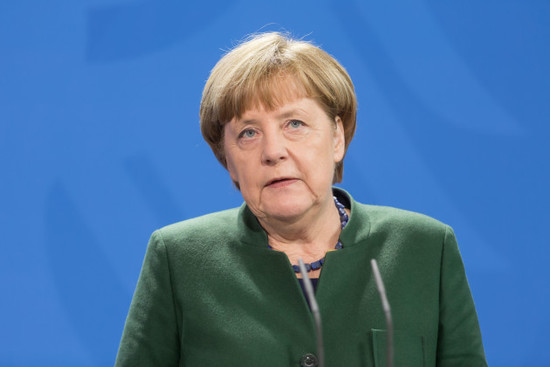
[[308, 237]]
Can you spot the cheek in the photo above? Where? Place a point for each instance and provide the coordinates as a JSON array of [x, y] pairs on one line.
[[318, 166], [232, 161], [231, 171], [240, 172], [230, 164]]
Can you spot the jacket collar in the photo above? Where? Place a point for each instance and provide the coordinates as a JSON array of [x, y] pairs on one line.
[[357, 229]]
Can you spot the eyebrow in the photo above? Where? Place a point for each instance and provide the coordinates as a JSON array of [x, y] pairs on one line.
[[292, 112], [280, 116]]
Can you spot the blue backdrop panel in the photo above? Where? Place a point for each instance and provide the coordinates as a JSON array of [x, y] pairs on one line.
[[100, 145]]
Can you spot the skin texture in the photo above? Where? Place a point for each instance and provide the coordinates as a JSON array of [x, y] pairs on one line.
[[283, 160]]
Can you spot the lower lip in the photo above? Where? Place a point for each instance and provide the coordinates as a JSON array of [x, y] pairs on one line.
[[282, 183]]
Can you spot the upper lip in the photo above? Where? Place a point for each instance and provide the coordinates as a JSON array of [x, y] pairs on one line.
[[278, 179]]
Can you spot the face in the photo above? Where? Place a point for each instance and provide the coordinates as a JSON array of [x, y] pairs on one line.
[[284, 159]]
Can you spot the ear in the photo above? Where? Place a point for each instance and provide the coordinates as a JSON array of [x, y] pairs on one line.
[[339, 140]]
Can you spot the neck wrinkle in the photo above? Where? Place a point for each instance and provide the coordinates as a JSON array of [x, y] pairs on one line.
[[306, 240]]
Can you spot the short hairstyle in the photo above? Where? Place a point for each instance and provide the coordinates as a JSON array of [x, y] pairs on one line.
[[259, 71]]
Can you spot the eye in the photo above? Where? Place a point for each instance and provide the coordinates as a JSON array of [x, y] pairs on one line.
[[295, 124], [247, 134]]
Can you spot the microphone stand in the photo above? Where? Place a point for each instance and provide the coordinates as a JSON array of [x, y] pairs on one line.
[[316, 314], [387, 312]]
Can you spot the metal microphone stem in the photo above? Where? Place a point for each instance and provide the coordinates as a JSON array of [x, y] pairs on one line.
[[387, 312], [316, 314]]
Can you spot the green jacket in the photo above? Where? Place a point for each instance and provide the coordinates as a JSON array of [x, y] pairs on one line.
[[211, 293]]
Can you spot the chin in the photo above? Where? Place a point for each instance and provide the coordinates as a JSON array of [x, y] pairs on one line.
[[286, 209]]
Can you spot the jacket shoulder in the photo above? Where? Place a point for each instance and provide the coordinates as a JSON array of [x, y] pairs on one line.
[[400, 221], [218, 226]]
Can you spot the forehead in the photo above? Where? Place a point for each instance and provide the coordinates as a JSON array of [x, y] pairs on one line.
[[302, 107], [270, 94]]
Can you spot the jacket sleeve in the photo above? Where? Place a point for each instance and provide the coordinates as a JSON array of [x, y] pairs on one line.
[[459, 337], [150, 336]]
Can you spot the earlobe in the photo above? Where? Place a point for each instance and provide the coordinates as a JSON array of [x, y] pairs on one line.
[[339, 140]]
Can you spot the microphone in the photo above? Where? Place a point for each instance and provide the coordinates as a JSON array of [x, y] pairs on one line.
[[316, 314], [387, 312]]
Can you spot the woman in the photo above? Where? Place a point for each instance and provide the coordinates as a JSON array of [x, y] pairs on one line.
[[222, 289]]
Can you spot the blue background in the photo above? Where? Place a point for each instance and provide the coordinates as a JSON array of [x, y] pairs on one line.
[[100, 145]]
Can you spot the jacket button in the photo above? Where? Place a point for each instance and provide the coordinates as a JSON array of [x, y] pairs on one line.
[[308, 360]]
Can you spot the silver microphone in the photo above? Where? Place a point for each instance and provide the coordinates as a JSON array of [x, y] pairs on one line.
[[387, 312], [315, 310]]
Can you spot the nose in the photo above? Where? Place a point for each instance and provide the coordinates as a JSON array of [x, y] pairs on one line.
[[274, 149]]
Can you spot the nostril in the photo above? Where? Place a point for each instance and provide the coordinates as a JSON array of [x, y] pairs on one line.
[[273, 159]]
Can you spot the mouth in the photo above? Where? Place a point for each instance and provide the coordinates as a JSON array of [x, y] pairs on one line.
[[281, 182]]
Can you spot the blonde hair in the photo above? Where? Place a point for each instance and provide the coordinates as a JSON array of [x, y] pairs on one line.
[[267, 70]]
